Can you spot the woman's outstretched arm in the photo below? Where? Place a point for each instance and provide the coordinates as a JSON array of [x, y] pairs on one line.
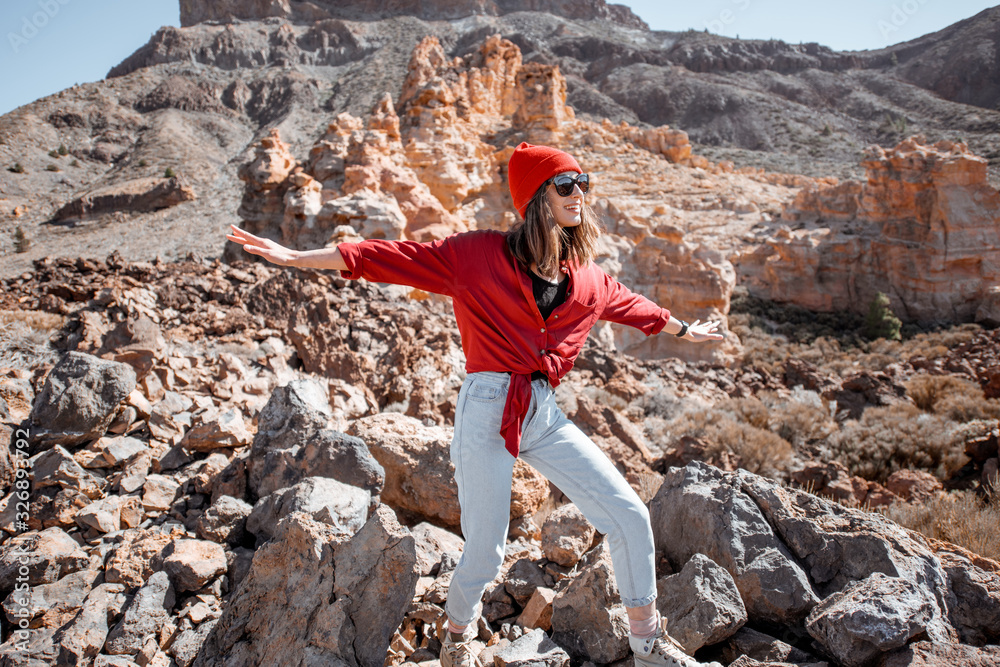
[[320, 258]]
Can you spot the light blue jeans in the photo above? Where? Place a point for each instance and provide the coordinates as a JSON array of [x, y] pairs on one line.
[[556, 448]]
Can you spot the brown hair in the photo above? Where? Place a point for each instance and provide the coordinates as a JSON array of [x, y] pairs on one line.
[[539, 239]]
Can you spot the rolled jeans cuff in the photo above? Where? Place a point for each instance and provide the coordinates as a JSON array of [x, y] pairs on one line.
[[639, 602]]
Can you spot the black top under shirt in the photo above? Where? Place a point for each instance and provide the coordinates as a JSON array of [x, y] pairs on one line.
[[548, 296]]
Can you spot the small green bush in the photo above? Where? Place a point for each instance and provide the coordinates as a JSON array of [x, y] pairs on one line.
[[54, 153], [881, 321], [21, 241], [18, 168], [827, 131], [169, 173], [143, 163], [74, 163], [52, 167], [63, 150]]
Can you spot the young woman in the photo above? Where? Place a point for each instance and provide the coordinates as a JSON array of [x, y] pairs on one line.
[[525, 301]]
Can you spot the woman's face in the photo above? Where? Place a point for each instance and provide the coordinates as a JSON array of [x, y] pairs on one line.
[[568, 211]]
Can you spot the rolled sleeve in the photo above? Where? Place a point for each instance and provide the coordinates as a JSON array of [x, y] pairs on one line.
[[354, 258], [624, 306]]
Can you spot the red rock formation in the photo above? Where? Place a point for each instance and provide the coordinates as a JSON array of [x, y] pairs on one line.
[[435, 168], [924, 229]]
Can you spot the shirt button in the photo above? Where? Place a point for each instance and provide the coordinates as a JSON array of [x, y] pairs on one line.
[[543, 330], [556, 317]]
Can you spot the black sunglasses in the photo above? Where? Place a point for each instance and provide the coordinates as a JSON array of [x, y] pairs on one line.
[[564, 184]]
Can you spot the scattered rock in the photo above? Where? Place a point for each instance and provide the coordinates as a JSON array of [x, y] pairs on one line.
[[80, 398], [158, 493], [131, 561], [193, 563], [701, 603], [148, 610], [534, 649], [225, 521], [913, 485], [225, 430], [47, 556], [81, 639], [51, 605], [538, 612], [566, 535]]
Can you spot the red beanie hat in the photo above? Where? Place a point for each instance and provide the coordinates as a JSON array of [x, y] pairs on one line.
[[530, 166]]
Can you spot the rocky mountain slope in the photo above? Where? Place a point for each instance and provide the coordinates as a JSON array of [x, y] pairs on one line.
[[210, 445], [195, 98]]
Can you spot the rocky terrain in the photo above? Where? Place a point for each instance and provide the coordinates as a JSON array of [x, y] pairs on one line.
[[195, 99], [206, 459], [212, 445]]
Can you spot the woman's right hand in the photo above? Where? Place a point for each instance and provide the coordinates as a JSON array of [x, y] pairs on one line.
[[266, 248]]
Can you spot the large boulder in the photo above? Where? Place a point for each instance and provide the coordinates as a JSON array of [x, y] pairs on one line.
[[341, 506], [588, 619], [349, 595], [293, 442], [80, 398], [840, 546], [419, 474], [700, 509], [869, 618], [927, 654]]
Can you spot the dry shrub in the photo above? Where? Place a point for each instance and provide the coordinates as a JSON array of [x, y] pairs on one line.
[[951, 397], [803, 419], [755, 449], [959, 518], [887, 439], [24, 338], [938, 343]]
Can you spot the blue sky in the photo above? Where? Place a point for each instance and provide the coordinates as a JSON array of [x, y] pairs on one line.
[[48, 45]]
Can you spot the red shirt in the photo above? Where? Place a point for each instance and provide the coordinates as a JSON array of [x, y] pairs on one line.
[[498, 319]]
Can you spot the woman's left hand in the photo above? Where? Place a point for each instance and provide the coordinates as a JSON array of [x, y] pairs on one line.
[[699, 331]]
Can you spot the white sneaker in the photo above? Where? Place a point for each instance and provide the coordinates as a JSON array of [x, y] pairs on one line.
[[662, 650], [458, 654]]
